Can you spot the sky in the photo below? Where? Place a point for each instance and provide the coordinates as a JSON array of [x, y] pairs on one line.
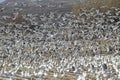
[[1, 1]]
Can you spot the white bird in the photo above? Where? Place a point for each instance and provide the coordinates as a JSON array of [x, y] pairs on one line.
[[80, 77], [55, 75]]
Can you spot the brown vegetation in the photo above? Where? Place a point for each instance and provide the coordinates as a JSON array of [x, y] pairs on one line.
[[102, 5], [19, 19]]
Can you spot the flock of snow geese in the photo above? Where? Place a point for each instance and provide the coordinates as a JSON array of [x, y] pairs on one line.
[[62, 46]]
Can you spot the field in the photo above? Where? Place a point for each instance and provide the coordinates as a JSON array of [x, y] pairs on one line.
[[58, 40]]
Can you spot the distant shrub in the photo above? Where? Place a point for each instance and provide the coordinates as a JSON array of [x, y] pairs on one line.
[[102, 5]]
